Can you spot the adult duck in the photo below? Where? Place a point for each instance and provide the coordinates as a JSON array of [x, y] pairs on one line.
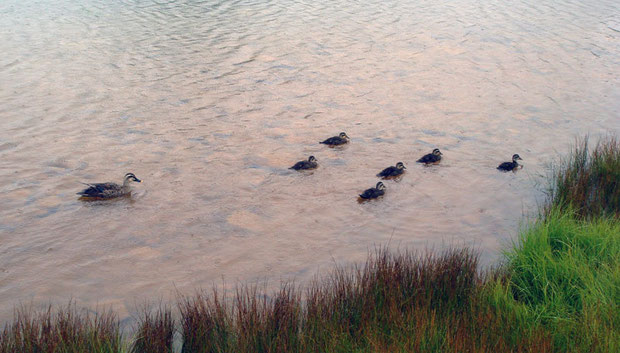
[[104, 191]]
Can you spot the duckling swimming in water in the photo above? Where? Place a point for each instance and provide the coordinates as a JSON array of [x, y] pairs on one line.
[[373, 193], [101, 191], [393, 171], [508, 166], [303, 165], [337, 140], [434, 157]]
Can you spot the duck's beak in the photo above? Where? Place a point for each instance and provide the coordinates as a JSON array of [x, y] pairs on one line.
[[138, 180], [404, 167]]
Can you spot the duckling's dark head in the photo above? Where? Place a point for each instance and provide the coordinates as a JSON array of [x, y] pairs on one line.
[[311, 159], [400, 165], [515, 157], [344, 135], [132, 177], [380, 186], [436, 152]]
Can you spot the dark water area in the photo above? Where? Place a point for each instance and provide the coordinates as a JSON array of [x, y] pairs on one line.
[[209, 103]]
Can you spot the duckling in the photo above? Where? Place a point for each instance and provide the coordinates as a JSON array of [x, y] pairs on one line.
[[101, 191], [373, 193], [309, 164], [434, 157], [337, 140], [508, 166], [393, 171]]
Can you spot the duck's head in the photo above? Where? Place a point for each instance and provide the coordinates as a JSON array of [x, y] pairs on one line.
[[515, 157], [129, 177], [311, 159], [436, 152], [400, 165], [380, 186], [344, 135]]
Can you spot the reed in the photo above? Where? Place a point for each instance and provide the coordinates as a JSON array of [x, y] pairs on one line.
[[395, 302], [155, 331], [206, 323], [398, 301], [388, 289], [67, 330], [267, 324]]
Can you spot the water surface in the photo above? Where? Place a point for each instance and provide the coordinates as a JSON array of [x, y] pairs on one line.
[[209, 102]]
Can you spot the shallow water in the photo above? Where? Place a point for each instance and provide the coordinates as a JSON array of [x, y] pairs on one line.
[[209, 103]]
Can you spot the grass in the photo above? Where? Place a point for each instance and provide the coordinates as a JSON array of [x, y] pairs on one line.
[[205, 323], [565, 274], [64, 331], [395, 302], [155, 331], [557, 290], [587, 181], [562, 265], [367, 308]]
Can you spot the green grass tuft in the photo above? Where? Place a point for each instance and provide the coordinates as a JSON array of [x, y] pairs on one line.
[[566, 271], [587, 181]]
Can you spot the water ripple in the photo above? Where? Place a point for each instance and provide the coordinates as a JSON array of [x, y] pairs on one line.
[[209, 102]]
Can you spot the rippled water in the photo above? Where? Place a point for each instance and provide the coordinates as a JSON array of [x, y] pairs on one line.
[[209, 102]]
